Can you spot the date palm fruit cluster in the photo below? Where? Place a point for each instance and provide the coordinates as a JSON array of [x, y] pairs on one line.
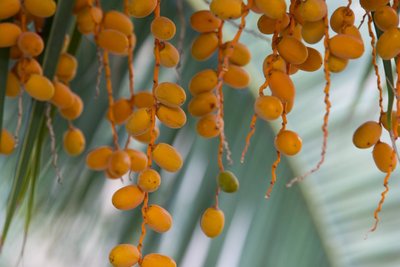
[[202, 86], [114, 34], [368, 135], [384, 15], [294, 27], [22, 35], [207, 94]]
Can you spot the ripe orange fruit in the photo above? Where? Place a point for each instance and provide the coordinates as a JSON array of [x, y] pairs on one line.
[[169, 55], [139, 122], [97, 159], [226, 9], [127, 197], [274, 9], [9, 33], [313, 61], [367, 134], [313, 31], [141, 8], [74, 111], [157, 260], [266, 24], [121, 111], [138, 159], [346, 46], [313, 10], [384, 157], [118, 21], [203, 81], [163, 28], [66, 68], [204, 46], [119, 163], [386, 18], [167, 157], [149, 180], [143, 100], [240, 54], [288, 143], [372, 5], [158, 219], [74, 142], [7, 143], [63, 96], [13, 87], [170, 94], [39, 87], [207, 126], [203, 104], [237, 77], [336, 64], [384, 120], [113, 41], [9, 8], [268, 107], [30, 43], [388, 45], [124, 255], [204, 21], [171, 117], [341, 17], [40, 8], [282, 87], [145, 137], [212, 222], [292, 50]]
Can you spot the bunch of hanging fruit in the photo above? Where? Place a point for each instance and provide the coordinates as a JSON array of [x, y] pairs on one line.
[[293, 28]]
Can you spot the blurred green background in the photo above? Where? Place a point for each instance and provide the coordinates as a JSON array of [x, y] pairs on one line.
[[319, 223]]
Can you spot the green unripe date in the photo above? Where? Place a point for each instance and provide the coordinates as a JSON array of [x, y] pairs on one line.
[[228, 182]]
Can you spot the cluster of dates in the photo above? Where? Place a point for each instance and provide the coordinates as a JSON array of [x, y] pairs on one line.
[[21, 33], [114, 34]]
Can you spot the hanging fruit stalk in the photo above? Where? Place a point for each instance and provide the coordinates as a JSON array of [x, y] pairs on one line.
[[268, 107], [231, 56], [331, 47], [276, 68], [163, 103]]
